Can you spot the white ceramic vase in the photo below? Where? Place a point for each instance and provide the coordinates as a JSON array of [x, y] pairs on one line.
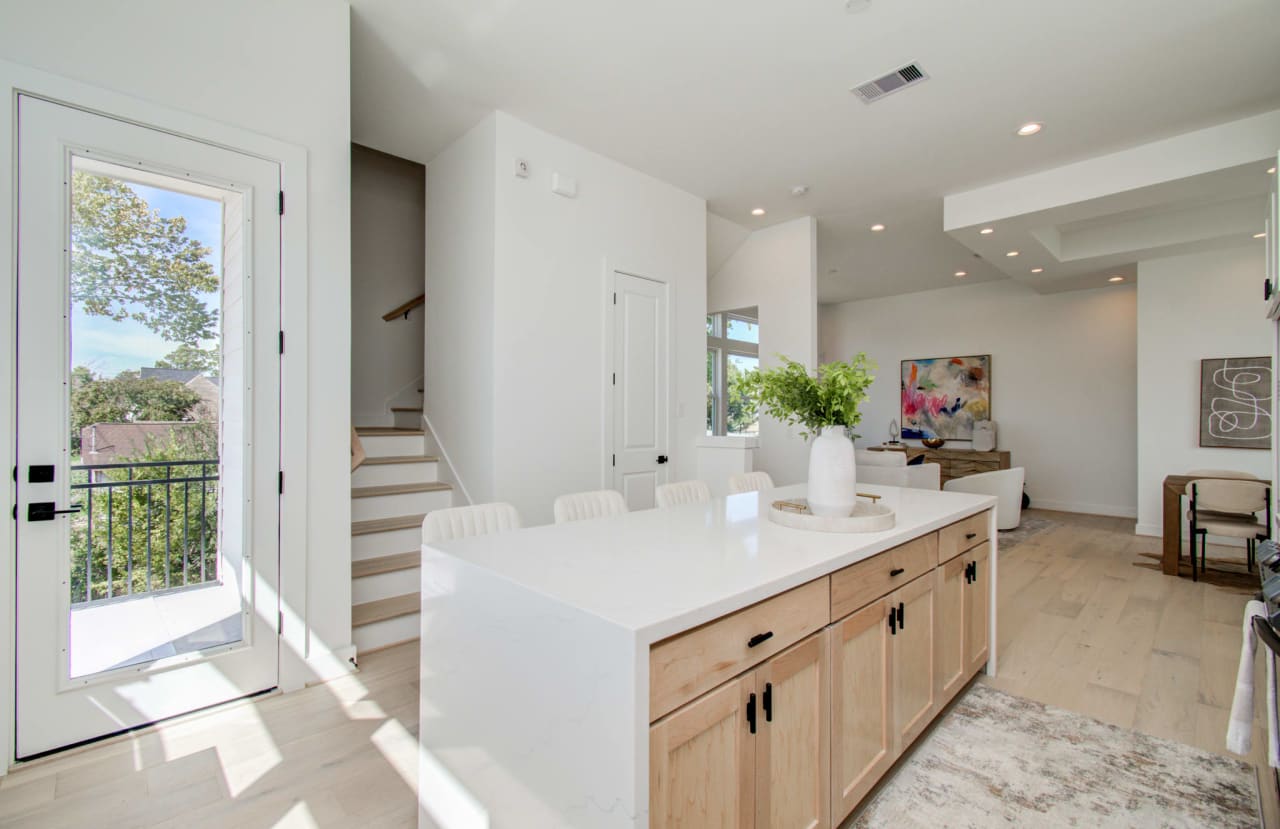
[[832, 474]]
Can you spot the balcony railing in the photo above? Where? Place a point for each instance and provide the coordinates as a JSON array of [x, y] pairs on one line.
[[143, 527]]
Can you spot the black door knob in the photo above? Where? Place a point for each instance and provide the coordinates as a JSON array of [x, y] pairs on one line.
[[663, 459]]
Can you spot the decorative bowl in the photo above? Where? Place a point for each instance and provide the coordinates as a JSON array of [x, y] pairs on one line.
[[933, 443]]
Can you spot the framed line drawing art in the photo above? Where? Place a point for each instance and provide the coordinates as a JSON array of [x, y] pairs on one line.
[[1235, 402]]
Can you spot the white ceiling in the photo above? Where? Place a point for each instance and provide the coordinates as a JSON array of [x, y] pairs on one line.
[[739, 101]]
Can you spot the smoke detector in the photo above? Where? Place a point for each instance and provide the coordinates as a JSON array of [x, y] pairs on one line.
[[872, 91]]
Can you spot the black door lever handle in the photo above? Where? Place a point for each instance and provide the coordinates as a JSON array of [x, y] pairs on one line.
[[663, 459], [45, 510]]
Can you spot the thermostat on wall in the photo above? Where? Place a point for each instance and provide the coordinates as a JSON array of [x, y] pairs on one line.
[[564, 185]]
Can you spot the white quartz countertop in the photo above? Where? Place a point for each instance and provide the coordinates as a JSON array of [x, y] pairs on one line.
[[659, 572]]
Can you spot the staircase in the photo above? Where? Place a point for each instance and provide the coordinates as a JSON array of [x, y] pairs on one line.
[[391, 492]]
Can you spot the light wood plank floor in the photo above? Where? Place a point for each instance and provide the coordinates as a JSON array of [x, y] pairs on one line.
[[1080, 627]]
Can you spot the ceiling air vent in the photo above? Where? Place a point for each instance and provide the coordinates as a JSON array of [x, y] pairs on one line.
[[872, 91]]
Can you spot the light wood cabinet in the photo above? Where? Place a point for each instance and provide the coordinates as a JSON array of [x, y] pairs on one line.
[[949, 631], [912, 660], [753, 752], [702, 762], [861, 705], [977, 610], [792, 754]]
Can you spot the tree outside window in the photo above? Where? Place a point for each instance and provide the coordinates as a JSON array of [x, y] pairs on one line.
[[733, 354]]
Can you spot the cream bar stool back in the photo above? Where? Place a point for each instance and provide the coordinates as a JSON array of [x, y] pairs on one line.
[[464, 522], [580, 506], [682, 492], [749, 482]]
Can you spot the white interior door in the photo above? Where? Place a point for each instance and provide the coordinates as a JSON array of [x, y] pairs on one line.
[[639, 388], [147, 551]]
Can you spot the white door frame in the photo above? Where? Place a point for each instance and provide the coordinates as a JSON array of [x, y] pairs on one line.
[[607, 421], [16, 79]]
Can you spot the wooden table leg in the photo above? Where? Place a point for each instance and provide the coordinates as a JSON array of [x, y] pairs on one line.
[[1172, 530]]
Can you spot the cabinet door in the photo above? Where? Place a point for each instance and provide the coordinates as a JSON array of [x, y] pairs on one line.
[[912, 646], [792, 755], [977, 610], [861, 705], [949, 631], [702, 762]]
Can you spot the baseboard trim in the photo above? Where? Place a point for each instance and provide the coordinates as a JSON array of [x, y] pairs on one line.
[[1087, 509]]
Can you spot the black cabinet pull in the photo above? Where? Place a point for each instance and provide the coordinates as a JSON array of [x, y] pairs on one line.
[[758, 638], [973, 574], [893, 623], [751, 713], [768, 702], [901, 623], [970, 536], [897, 571]]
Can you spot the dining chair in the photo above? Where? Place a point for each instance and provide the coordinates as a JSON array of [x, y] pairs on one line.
[[749, 482], [1222, 473], [680, 493], [1228, 508], [580, 506], [465, 522]]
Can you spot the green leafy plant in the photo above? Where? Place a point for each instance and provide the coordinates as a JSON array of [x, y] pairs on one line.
[[831, 398]]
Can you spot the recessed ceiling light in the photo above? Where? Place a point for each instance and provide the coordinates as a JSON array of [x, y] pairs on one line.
[[987, 231], [1116, 278], [1271, 171], [1030, 128], [758, 211], [1037, 270], [1260, 235], [1012, 253], [962, 273], [877, 227]]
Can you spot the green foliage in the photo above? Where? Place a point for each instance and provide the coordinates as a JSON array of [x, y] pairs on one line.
[[192, 358], [742, 411], [790, 394], [126, 398], [128, 262], [171, 522]]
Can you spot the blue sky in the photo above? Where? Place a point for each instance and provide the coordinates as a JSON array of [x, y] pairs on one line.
[[108, 347]]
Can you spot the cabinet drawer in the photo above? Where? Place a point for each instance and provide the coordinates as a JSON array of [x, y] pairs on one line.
[[962, 535], [860, 584], [691, 663]]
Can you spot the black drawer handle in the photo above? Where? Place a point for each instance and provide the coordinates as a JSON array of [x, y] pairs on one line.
[[970, 536], [897, 571], [759, 637]]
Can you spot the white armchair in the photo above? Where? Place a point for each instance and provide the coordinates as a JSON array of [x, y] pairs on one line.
[[1005, 484], [891, 469]]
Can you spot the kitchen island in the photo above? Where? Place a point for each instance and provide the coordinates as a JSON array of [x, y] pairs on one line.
[[695, 666]]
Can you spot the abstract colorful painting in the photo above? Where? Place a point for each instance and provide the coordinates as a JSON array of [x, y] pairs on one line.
[[942, 397], [1235, 402]]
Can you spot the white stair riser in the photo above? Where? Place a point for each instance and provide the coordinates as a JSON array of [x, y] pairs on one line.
[[389, 632], [385, 474], [407, 420], [385, 585], [382, 446], [382, 544], [408, 503]]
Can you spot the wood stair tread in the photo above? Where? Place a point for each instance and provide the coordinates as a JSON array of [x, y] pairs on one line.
[[385, 564], [399, 489], [383, 609], [406, 408], [400, 459], [385, 431], [382, 525]]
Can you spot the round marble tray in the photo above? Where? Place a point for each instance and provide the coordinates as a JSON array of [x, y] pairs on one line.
[[867, 517]]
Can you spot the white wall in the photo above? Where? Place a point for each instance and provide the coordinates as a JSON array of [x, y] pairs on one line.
[[232, 64], [1189, 308], [517, 281], [1063, 377], [388, 228], [775, 269], [458, 366], [553, 264]]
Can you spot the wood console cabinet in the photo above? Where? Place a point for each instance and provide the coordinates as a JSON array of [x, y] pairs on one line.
[[801, 736], [954, 463]]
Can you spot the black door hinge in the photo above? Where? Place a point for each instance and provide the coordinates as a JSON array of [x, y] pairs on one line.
[[615, 297], [280, 624], [281, 202], [614, 462], [281, 482], [281, 342], [615, 378]]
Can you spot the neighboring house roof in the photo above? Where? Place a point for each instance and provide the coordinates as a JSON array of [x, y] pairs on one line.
[[177, 375], [113, 442]]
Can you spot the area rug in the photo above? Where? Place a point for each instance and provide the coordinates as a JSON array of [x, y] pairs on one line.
[[1029, 526], [1002, 760]]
